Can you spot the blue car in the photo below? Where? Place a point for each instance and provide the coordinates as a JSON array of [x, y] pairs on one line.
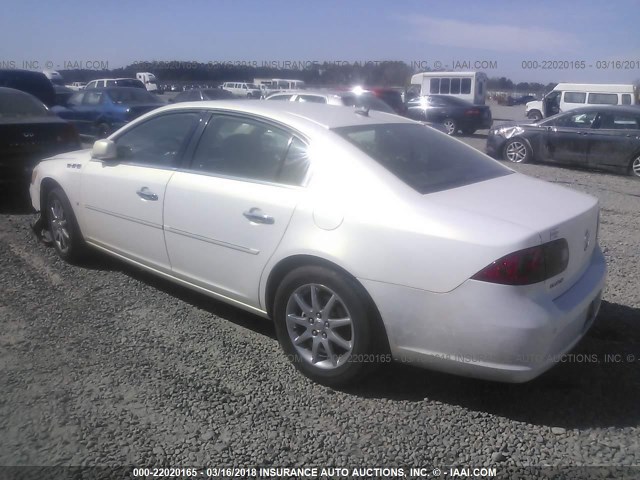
[[99, 112]]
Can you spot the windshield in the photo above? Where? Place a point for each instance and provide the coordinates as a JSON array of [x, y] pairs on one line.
[[131, 95], [426, 160], [18, 104]]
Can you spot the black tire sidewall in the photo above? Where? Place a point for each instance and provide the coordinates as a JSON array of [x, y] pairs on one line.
[[356, 303]]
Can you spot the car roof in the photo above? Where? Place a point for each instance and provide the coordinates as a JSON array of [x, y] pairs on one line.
[[112, 89], [635, 109], [297, 114]]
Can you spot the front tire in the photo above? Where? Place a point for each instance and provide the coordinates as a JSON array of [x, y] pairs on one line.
[[324, 325], [517, 150], [65, 233]]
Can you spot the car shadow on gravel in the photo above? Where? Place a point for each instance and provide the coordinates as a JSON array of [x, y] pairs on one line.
[[595, 385], [242, 318]]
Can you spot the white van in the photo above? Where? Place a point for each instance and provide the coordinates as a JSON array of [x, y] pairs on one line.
[[149, 81], [469, 86], [242, 89], [566, 96]]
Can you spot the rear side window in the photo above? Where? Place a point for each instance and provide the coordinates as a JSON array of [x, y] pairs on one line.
[[426, 160], [575, 97], [603, 98], [626, 99]]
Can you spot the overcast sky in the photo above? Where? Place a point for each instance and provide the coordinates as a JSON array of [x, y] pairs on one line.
[[501, 34]]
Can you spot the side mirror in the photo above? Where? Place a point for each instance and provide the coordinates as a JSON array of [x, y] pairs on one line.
[[104, 150]]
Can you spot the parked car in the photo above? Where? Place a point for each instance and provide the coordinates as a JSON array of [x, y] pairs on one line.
[[454, 113], [35, 83], [206, 94], [604, 137], [29, 132], [391, 97], [62, 94], [334, 97], [365, 237], [243, 89], [521, 100], [115, 82], [98, 112], [77, 86]]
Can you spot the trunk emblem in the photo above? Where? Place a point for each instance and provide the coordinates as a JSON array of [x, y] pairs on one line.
[[587, 239]]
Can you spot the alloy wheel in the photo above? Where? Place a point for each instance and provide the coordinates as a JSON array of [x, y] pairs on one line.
[[319, 326], [59, 226], [516, 152]]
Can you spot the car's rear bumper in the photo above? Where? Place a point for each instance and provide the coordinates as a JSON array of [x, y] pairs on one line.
[[486, 330]]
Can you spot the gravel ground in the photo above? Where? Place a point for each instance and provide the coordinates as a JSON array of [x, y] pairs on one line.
[[106, 365]]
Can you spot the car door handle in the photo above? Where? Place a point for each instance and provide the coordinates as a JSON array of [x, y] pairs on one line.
[[256, 215], [147, 194]]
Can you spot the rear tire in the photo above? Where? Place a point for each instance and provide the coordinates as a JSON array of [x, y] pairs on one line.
[[450, 126], [324, 325], [634, 168], [65, 233], [534, 115]]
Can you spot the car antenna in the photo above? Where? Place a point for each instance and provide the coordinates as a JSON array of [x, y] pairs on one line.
[[364, 111]]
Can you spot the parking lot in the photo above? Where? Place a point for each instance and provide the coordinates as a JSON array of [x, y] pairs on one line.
[[103, 364]]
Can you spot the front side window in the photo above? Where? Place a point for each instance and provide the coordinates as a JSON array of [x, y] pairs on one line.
[[435, 86], [421, 157], [465, 85], [603, 98], [444, 86], [575, 97], [576, 120], [253, 150], [157, 142], [455, 85]]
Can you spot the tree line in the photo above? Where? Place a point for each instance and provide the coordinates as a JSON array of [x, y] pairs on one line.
[[384, 73]]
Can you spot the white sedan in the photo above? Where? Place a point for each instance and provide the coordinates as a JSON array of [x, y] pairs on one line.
[[364, 236]]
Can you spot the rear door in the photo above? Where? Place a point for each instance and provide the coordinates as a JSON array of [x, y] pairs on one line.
[[224, 217], [615, 140], [567, 138]]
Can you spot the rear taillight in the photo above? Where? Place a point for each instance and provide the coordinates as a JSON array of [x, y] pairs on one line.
[[472, 111], [531, 265]]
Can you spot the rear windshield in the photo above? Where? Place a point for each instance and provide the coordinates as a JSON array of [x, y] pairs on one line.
[[18, 104], [131, 95], [366, 100], [423, 158]]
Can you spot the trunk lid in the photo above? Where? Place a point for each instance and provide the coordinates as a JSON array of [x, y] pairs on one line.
[[549, 210]]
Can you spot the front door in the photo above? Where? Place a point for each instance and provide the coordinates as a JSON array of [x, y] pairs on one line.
[[122, 199]]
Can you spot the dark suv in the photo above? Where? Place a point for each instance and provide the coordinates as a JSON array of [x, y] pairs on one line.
[[35, 83]]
